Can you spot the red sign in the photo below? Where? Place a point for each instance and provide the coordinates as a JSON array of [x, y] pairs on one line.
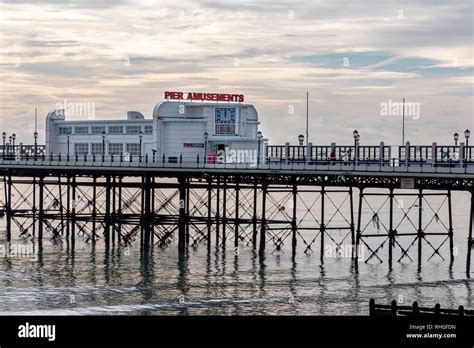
[[205, 96]]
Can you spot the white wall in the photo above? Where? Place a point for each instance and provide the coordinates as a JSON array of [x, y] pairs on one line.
[[175, 134]]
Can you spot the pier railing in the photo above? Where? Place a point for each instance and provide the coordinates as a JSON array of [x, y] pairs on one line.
[[255, 163], [20, 149], [408, 154], [409, 158], [312, 153]]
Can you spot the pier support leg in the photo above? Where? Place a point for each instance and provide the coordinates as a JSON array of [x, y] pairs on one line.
[[73, 211], [450, 228], [218, 207], [263, 226], [224, 212], [61, 204], [68, 206], [41, 209], [293, 219], [94, 208], [142, 214], [152, 241], [359, 220], [236, 219], [33, 211], [187, 211], [147, 211], [390, 231], [469, 238], [107, 213], [119, 213], [209, 213], [420, 225], [254, 217], [8, 207], [114, 209], [352, 225], [322, 227], [182, 215]]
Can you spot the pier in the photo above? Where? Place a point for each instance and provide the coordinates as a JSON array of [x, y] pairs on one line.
[[162, 201]]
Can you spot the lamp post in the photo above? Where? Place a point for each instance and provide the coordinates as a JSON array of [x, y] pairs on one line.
[[4, 136], [35, 135], [467, 134], [141, 142], [68, 143], [456, 138], [206, 137], [259, 136], [301, 139], [9, 145], [103, 146], [356, 136], [13, 138]]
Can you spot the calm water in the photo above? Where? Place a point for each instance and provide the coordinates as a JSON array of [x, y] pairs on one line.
[[87, 281]]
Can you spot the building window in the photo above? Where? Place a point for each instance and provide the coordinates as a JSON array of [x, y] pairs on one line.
[[81, 130], [133, 149], [225, 121], [65, 130], [148, 130], [134, 129], [115, 130], [81, 149], [97, 129], [115, 149], [96, 149]]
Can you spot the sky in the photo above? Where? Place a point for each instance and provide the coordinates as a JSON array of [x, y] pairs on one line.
[[357, 60]]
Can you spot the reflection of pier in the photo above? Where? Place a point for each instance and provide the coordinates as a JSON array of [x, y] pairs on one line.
[[303, 203]]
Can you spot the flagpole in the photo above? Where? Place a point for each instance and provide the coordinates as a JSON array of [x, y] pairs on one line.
[[307, 117], [403, 122]]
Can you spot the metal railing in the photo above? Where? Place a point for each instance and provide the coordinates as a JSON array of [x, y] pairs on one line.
[[198, 162], [436, 153], [313, 153], [14, 150]]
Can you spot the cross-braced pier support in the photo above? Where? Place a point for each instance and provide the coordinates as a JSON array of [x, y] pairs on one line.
[[470, 243], [396, 217], [270, 213]]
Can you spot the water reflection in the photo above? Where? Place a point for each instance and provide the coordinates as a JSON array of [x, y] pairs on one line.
[[89, 279]]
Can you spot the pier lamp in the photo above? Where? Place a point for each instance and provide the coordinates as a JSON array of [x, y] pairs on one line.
[[467, 134], [259, 136], [68, 142], [35, 135], [301, 139], [206, 137], [456, 138], [103, 146], [141, 142], [4, 136], [13, 138], [356, 136], [9, 144]]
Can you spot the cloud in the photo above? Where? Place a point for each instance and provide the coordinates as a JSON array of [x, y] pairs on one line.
[[122, 55]]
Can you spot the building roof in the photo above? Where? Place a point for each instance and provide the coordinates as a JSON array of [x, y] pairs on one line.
[[160, 109]]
